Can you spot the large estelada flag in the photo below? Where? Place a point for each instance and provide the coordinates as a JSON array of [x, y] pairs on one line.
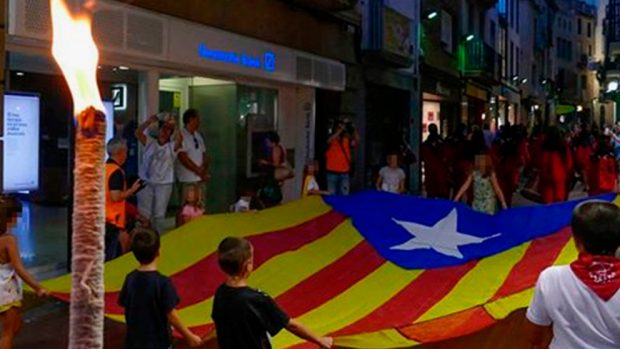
[[373, 270]]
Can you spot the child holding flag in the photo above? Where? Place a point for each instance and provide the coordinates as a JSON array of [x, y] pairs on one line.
[[580, 301], [245, 317]]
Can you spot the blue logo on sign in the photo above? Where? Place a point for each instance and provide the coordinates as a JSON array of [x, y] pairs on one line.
[[268, 62]]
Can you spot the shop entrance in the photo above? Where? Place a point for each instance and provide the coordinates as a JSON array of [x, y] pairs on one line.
[[235, 121]]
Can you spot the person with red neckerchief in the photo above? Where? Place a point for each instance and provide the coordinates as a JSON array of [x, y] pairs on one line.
[[580, 301]]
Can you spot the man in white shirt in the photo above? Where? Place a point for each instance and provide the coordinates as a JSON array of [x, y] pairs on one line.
[[580, 301], [192, 167]]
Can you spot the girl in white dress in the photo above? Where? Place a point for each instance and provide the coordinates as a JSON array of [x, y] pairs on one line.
[[10, 268], [310, 185]]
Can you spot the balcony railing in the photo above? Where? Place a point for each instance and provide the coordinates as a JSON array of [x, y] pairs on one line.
[[479, 60]]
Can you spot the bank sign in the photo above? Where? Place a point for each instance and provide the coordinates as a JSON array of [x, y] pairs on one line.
[[265, 62]]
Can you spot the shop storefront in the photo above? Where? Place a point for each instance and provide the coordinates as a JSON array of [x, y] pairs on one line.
[[509, 107], [243, 88], [440, 105], [477, 106]]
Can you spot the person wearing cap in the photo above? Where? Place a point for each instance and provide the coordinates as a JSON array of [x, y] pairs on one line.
[[161, 147]]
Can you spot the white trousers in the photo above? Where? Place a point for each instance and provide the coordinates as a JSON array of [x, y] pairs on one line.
[[153, 203]]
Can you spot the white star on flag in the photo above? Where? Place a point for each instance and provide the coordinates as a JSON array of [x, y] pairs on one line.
[[441, 237]]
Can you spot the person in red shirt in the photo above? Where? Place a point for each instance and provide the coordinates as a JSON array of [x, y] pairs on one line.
[[555, 168], [459, 165], [603, 169], [343, 139], [583, 148], [508, 162], [535, 149], [436, 171]]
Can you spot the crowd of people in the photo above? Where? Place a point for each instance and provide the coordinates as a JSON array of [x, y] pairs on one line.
[[578, 301], [177, 157], [170, 154], [487, 169]]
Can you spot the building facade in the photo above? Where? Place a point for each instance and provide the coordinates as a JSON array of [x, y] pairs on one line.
[[389, 93], [248, 70], [609, 57]]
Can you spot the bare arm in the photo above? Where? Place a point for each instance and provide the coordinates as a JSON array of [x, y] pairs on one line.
[[401, 186], [189, 164], [140, 131], [302, 332], [335, 135], [121, 195], [276, 156], [464, 188], [16, 261], [498, 191], [189, 336], [178, 140]]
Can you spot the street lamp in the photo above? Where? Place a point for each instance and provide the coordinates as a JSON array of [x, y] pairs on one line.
[[612, 86], [432, 15], [469, 37]]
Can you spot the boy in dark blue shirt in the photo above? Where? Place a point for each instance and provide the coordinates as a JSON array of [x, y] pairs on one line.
[[149, 299], [244, 316]]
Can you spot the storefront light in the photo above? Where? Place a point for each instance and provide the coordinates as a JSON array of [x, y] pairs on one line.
[[122, 67], [432, 15], [579, 108], [469, 37], [20, 73], [612, 86]]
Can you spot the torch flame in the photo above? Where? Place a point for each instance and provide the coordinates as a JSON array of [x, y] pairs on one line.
[[75, 52]]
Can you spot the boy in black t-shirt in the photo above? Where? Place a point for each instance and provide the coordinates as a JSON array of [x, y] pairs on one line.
[[244, 316], [149, 299]]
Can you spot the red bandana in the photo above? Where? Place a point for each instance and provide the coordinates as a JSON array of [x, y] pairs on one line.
[[600, 273]]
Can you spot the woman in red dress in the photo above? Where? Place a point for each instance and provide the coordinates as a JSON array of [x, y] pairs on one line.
[[436, 170], [556, 167], [583, 148], [508, 161], [603, 169], [458, 163]]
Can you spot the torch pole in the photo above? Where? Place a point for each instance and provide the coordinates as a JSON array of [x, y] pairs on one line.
[[86, 320]]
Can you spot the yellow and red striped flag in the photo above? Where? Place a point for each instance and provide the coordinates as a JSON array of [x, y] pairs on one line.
[[372, 270]]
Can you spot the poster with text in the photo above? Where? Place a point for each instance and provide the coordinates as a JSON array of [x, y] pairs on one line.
[[21, 143]]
